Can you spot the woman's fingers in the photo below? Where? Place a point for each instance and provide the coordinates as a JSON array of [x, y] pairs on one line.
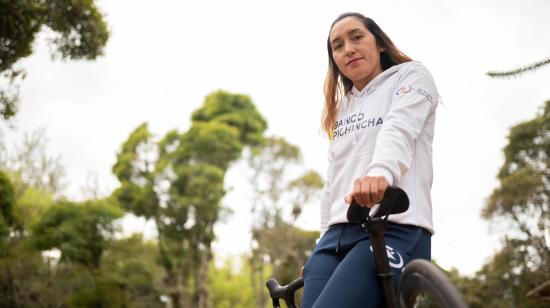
[[356, 192], [373, 192], [368, 190], [382, 186]]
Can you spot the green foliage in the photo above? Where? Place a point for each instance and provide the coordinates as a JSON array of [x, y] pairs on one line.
[[235, 110], [520, 70], [274, 237], [178, 182], [132, 264], [128, 277], [62, 253], [27, 281], [523, 197], [305, 188], [219, 140], [20, 23], [80, 231], [9, 97], [522, 202], [129, 153], [31, 206], [504, 281], [6, 211], [270, 163], [230, 285], [7, 199], [287, 247], [79, 28]]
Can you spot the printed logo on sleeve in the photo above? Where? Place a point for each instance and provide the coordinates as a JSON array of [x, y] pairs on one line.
[[406, 89], [403, 90]]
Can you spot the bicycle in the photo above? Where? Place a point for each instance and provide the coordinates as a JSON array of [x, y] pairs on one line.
[[418, 276]]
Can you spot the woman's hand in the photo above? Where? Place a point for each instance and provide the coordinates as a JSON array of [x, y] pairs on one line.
[[368, 191]]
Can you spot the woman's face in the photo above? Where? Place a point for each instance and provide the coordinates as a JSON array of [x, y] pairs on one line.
[[355, 51]]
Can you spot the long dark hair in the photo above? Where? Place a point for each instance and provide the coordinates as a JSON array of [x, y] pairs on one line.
[[338, 85]]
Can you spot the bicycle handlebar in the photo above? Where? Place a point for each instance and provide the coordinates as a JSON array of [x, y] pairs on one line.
[[395, 201], [276, 291]]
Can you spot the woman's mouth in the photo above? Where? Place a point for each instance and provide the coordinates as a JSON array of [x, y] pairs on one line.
[[353, 61]]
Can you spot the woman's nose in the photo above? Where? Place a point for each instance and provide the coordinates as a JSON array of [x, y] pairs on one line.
[[350, 50]]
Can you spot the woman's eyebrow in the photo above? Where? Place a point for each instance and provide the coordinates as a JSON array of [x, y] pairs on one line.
[[353, 31], [349, 33]]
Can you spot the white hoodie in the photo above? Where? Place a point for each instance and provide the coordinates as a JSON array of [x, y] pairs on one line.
[[384, 130]]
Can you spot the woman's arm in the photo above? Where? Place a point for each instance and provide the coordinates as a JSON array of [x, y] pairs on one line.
[[412, 101]]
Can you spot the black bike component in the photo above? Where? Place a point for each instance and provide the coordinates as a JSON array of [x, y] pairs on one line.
[[421, 276], [395, 201], [375, 227], [286, 293]]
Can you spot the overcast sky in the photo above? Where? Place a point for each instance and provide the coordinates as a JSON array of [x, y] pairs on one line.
[[164, 57]]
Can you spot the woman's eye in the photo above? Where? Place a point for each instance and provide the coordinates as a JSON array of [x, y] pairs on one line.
[[337, 46], [357, 37]]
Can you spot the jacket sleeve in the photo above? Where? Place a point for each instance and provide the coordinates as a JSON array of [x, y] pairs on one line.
[[413, 99]]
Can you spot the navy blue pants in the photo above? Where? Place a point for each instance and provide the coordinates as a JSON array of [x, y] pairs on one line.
[[341, 271]]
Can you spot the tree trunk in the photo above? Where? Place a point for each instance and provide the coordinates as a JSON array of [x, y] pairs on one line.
[[253, 281], [12, 287], [262, 300], [202, 279], [175, 289]]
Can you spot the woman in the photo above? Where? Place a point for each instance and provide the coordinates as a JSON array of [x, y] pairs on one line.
[[379, 114]]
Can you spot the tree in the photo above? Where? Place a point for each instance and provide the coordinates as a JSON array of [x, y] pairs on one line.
[[522, 201], [178, 183], [524, 192], [277, 203], [94, 270], [519, 70], [80, 231], [30, 165], [131, 264], [79, 32], [58, 253], [25, 279], [270, 162], [34, 177]]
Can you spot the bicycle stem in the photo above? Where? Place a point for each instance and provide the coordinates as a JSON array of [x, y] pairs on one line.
[[376, 227]]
